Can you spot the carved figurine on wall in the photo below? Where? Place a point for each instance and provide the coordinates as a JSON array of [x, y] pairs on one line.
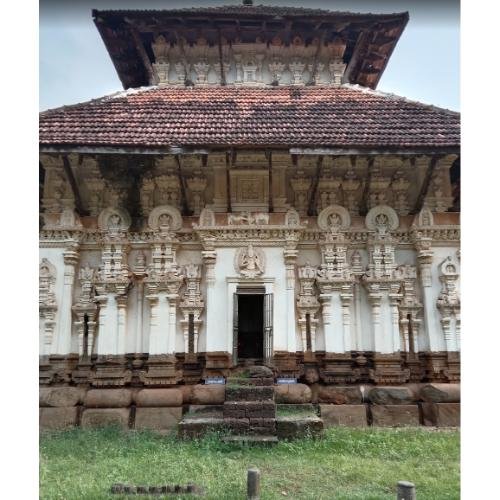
[[250, 262]]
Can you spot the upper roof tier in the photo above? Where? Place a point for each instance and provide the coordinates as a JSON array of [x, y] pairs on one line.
[[248, 45], [343, 117]]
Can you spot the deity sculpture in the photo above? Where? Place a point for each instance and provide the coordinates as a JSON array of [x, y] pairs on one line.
[[250, 262]]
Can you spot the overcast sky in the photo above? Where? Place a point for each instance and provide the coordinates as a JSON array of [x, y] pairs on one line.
[[75, 66]]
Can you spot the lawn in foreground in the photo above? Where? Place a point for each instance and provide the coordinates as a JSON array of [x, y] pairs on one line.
[[346, 464]]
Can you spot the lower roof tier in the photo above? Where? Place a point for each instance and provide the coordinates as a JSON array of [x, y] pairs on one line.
[[345, 116]]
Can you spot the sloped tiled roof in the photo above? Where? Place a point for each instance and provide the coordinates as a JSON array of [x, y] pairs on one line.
[[340, 117]]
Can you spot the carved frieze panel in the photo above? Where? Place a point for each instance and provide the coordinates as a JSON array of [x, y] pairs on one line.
[[249, 189]]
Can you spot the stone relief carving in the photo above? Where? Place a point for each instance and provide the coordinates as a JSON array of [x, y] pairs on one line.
[[114, 220], [47, 301], [334, 218], [192, 305], [307, 307], [257, 218], [292, 218], [448, 303], [207, 218], [382, 219], [165, 218], [250, 262], [85, 310], [424, 218]]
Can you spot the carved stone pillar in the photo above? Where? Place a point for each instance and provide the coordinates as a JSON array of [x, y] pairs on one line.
[[163, 283], [448, 304], [383, 283], [85, 311], [307, 307], [112, 285], [192, 306], [71, 257], [336, 282], [290, 254]]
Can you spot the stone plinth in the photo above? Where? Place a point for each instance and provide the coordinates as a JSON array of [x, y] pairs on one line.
[[343, 415]]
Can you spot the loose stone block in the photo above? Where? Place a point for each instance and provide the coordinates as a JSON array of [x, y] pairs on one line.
[[158, 398], [391, 395], [60, 396], [292, 393], [440, 393], [343, 415], [108, 398], [208, 394], [349, 395], [58, 418], [103, 417], [395, 415], [157, 418], [441, 414]]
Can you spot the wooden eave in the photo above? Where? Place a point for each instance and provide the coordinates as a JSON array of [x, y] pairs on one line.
[[120, 31]]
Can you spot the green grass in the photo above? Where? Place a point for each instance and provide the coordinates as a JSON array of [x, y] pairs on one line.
[[347, 464]]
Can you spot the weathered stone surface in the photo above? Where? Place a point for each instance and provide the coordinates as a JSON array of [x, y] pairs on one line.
[[311, 375], [108, 398], [249, 393], [157, 418], [103, 417], [389, 395], [291, 427], [60, 396], [440, 393], [441, 414], [158, 398], [208, 394], [292, 393], [395, 415], [58, 418], [260, 372], [348, 395], [187, 393], [249, 409], [343, 415]]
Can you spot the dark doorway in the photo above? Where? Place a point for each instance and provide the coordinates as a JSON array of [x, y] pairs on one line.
[[251, 326]]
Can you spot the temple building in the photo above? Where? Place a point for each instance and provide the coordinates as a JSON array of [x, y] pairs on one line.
[[248, 199]]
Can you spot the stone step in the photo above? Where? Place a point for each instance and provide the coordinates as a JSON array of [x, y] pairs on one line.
[[296, 426], [249, 393], [205, 410], [249, 409], [249, 381], [297, 408], [251, 425], [192, 426], [251, 439]]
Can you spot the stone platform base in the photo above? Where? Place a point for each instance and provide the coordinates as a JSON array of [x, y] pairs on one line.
[[162, 409]]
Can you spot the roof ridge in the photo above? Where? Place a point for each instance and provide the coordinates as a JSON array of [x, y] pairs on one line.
[[392, 95], [251, 9]]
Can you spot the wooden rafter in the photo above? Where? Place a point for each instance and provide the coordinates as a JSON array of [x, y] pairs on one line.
[[312, 200], [228, 181], [184, 201], [74, 186], [143, 54], [424, 188], [269, 155], [363, 210]]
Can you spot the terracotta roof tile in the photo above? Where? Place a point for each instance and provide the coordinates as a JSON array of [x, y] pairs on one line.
[[346, 116]]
